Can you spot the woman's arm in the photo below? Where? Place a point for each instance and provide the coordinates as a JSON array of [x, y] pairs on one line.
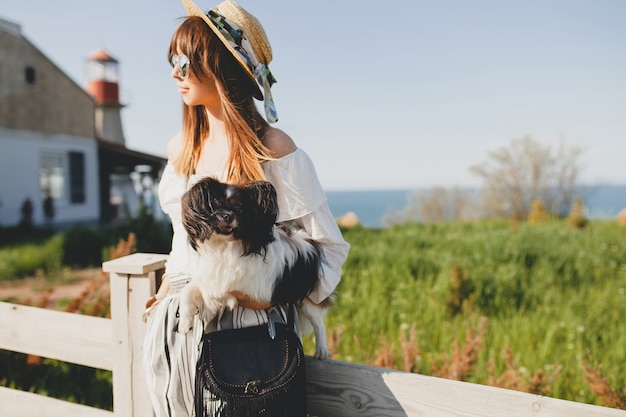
[[322, 226], [153, 301], [164, 288]]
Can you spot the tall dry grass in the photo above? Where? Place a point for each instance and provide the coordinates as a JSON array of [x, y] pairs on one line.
[[601, 387]]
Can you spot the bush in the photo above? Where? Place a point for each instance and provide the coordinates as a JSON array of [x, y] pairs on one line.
[[30, 259], [70, 382], [29, 251], [152, 236], [22, 235], [83, 247]]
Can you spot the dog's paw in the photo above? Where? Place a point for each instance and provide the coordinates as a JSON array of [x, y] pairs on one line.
[[209, 310], [185, 324], [206, 316], [321, 352]]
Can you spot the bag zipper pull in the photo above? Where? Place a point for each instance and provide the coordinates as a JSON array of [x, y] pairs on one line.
[[271, 327]]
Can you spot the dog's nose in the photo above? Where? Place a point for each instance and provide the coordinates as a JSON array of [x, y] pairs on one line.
[[227, 217]]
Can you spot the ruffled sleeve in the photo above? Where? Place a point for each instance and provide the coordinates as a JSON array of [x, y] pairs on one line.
[[298, 189], [302, 199], [171, 189]]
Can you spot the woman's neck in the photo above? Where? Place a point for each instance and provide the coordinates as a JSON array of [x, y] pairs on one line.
[[215, 151]]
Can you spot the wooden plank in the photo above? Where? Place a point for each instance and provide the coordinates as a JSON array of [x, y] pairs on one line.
[[136, 264], [334, 389], [338, 389], [68, 337], [16, 403], [128, 297], [122, 354], [140, 289]]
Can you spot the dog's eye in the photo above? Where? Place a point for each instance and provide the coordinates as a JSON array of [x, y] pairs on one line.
[[237, 207]]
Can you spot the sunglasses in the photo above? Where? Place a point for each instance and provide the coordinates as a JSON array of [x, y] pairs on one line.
[[183, 65]]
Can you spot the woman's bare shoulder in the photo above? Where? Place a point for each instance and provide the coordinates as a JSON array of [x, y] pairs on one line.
[[278, 142]]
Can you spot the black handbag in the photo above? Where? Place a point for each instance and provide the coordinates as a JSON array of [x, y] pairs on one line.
[[252, 371]]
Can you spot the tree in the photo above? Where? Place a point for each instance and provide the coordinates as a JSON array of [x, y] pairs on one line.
[[525, 170], [442, 204], [538, 213], [576, 217], [435, 205]]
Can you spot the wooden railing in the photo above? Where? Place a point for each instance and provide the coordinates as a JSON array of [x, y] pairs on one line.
[[335, 389]]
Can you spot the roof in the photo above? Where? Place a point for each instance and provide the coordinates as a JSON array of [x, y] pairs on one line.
[[10, 27], [101, 55], [116, 153]]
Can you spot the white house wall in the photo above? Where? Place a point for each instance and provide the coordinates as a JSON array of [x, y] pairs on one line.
[[20, 153]]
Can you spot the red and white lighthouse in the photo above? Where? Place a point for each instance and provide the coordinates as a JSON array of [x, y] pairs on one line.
[[102, 84]]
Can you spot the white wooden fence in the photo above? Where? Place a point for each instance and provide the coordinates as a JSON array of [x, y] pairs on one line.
[[335, 389]]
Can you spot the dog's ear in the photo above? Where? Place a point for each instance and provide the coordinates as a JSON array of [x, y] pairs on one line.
[[265, 195], [196, 203], [212, 189], [261, 213]]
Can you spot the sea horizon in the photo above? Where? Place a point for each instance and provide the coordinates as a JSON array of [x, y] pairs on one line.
[[371, 206]]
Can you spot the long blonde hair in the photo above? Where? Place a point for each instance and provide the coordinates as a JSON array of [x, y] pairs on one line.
[[244, 125]]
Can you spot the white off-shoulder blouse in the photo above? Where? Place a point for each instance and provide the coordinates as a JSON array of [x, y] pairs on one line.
[[300, 199]]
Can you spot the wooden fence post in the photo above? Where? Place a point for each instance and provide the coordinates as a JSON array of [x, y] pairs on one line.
[[134, 279]]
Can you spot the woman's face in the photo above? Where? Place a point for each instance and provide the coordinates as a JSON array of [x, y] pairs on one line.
[[195, 91]]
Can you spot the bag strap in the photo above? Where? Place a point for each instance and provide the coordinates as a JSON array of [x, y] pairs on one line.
[[291, 316], [291, 319]]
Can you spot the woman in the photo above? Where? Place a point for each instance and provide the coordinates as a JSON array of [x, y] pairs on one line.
[[220, 65]]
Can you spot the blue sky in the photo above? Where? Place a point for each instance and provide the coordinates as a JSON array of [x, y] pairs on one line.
[[383, 95]]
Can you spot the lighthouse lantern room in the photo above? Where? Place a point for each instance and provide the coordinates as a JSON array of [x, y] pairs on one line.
[[103, 86]]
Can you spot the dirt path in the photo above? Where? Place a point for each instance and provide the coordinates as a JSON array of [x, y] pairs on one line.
[[52, 290]]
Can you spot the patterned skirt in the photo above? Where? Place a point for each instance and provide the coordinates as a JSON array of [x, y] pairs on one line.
[[169, 357]]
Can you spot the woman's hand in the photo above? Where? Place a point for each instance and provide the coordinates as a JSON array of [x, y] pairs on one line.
[[246, 301], [153, 301]]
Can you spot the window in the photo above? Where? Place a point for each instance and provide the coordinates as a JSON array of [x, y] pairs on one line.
[[77, 177], [62, 176], [52, 175], [29, 73]]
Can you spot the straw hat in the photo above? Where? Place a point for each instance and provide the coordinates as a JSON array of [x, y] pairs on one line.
[[253, 52]]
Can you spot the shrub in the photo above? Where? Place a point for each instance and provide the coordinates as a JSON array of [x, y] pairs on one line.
[[576, 218], [83, 247], [152, 236], [538, 213], [31, 259]]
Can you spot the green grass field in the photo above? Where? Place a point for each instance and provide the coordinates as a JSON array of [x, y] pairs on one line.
[[553, 298]]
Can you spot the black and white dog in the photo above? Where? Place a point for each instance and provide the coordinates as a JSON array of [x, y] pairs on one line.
[[239, 247]]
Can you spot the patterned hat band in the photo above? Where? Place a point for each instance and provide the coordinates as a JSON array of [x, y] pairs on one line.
[[260, 71]]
